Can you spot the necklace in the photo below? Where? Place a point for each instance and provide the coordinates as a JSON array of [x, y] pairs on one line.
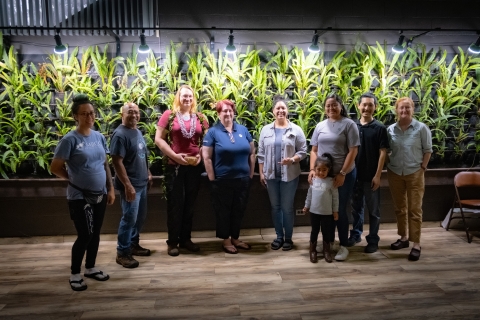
[[193, 119]]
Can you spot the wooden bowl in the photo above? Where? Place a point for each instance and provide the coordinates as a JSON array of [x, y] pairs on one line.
[[191, 160]]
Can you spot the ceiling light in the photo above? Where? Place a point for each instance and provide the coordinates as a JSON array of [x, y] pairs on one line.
[[230, 48], [475, 47], [398, 48], [314, 46], [143, 48], [59, 48]]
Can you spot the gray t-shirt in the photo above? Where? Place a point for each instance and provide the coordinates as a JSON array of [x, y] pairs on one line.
[[322, 197], [85, 157], [130, 145], [336, 138]]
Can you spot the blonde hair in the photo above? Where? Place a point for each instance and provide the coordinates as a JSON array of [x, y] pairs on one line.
[[176, 102], [407, 99]]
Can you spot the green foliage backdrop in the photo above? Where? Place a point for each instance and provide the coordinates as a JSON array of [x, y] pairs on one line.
[[35, 99]]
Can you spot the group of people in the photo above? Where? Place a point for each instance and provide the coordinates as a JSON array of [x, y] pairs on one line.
[[346, 161]]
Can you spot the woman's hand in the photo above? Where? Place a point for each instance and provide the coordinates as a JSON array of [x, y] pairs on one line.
[[335, 216], [111, 196], [263, 181], [339, 180], [199, 159], [179, 158], [306, 210], [311, 174], [286, 161]]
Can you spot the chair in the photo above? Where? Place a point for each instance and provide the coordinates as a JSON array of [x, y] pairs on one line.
[[462, 180]]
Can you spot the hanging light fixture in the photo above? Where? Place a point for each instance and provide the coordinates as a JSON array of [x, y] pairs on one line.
[[59, 48], [398, 48], [143, 48], [314, 46], [230, 48], [475, 47]]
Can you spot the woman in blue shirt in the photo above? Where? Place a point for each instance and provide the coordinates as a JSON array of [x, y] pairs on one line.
[[281, 146], [85, 152], [229, 158]]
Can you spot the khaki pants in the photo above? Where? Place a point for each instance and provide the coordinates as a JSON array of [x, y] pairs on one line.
[[407, 193]]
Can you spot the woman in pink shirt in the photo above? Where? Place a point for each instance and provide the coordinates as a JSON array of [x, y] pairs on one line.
[[179, 136]]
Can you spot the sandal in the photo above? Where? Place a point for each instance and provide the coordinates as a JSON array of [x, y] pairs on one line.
[[230, 249], [74, 288], [276, 244], [99, 276], [242, 245]]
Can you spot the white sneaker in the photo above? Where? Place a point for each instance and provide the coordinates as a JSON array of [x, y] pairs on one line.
[[342, 254]]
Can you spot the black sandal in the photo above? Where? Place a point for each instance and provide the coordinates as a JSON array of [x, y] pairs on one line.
[[81, 288], [277, 244]]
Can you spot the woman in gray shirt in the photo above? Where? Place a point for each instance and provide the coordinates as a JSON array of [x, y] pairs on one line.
[[281, 146]]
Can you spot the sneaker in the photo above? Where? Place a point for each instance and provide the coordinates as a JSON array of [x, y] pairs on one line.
[[190, 246], [137, 250], [371, 248], [173, 251], [287, 245], [342, 254], [352, 241], [127, 261]]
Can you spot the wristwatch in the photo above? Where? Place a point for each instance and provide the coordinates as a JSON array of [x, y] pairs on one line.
[[343, 173]]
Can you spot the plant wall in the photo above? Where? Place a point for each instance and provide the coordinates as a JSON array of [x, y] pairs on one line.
[[35, 99]]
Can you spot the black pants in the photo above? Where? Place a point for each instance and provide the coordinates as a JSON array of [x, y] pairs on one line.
[[181, 189], [326, 222], [229, 200], [87, 239]]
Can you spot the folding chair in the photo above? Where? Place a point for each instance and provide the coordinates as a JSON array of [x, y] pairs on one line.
[[467, 179]]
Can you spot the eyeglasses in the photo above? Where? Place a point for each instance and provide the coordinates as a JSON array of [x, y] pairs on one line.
[[87, 114], [133, 112], [230, 135]]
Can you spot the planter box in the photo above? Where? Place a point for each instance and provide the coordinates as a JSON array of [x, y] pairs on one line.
[[38, 207]]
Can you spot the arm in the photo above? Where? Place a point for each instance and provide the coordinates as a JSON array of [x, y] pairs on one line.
[[207, 153], [122, 176], [381, 161], [161, 142], [110, 189], [347, 164], [335, 203], [150, 180], [263, 181], [58, 168], [426, 158], [261, 158], [308, 201], [313, 158], [251, 159]]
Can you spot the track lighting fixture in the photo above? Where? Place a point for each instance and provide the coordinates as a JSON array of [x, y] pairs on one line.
[[143, 48], [314, 46], [59, 48], [230, 48], [398, 48], [475, 47]]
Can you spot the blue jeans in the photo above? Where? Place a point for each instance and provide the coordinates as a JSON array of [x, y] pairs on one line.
[[364, 195], [133, 217], [282, 195], [344, 195]]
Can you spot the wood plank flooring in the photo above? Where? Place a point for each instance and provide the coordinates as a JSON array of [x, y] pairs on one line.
[[256, 284]]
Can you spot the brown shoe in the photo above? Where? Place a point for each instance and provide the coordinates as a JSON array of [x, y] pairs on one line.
[[326, 252], [313, 252], [399, 244], [173, 250], [189, 245], [126, 261], [137, 250]]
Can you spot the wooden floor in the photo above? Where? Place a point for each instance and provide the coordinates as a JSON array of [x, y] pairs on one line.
[[259, 284]]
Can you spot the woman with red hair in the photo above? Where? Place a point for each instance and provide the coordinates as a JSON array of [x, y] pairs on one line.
[[229, 158]]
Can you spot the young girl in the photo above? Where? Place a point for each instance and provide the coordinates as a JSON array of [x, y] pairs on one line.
[[322, 203]]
